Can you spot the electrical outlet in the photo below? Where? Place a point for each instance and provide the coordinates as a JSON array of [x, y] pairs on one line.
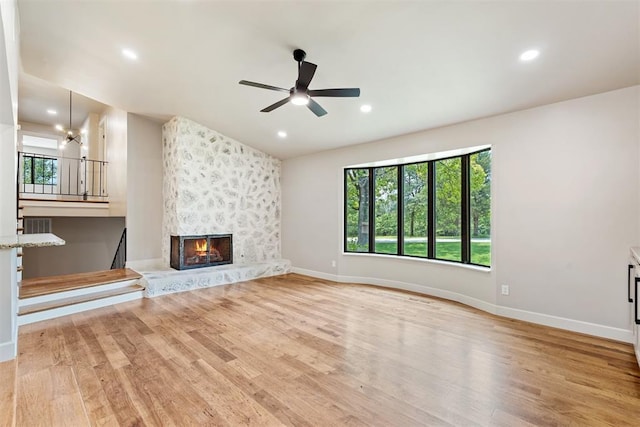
[[333, 263], [505, 289]]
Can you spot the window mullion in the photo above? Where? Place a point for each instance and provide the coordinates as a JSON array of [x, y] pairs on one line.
[[465, 199], [400, 209], [372, 208], [33, 171], [345, 178], [431, 209]]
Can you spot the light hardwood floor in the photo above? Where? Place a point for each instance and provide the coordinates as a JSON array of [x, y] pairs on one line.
[[292, 350]]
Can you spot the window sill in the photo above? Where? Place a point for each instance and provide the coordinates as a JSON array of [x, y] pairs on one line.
[[425, 260]]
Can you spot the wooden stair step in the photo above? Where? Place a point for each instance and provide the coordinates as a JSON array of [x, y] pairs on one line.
[[54, 284], [35, 308]]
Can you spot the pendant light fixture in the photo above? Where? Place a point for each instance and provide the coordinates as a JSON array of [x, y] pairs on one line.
[[70, 135]]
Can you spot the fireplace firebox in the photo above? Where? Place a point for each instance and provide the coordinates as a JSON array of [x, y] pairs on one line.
[[201, 251]]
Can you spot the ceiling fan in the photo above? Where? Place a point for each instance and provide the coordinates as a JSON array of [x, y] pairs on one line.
[[300, 94]]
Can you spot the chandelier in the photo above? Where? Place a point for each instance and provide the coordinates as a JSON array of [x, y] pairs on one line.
[[70, 136]]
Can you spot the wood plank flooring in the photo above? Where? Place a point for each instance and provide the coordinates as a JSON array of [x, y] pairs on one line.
[[292, 350], [7, 392], [51, 284]]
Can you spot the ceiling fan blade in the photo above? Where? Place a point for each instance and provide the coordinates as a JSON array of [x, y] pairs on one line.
[[305, 74], [316, 108], [262, 86], [276, 105], [342, 93]]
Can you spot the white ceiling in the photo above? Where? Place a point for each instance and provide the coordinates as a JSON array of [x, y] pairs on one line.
[[37, 96], [420, 64]]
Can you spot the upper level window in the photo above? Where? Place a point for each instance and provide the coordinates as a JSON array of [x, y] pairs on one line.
[[437, 208], [39, 160], [38, 169]]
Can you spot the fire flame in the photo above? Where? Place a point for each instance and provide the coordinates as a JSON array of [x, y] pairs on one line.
[[201, 246]]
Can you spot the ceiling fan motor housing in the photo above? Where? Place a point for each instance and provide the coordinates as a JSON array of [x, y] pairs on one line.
[[299, 55]]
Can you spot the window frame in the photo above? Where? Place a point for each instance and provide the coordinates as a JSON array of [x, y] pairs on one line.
[[465, 208], [32, 158]]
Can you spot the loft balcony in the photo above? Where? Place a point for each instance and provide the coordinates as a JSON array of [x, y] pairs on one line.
[[62, 186]]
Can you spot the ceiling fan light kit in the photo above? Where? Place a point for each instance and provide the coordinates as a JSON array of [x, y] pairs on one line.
[[300, 94]]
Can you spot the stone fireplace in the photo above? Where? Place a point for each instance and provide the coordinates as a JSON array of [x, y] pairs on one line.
[[214, 184], [201, 251]]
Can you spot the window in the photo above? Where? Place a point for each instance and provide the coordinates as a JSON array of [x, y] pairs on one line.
[[39, 169], [386, 210], [480, 221], [439, 208], [448, 193], [415, 204], [356, 207]]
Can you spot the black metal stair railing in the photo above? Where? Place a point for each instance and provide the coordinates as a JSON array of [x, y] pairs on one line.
[[120, 258], [65, 176]]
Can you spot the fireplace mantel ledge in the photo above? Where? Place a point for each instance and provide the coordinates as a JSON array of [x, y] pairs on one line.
[[166, 281]]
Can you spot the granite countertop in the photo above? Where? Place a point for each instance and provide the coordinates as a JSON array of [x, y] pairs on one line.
[[30, 241]]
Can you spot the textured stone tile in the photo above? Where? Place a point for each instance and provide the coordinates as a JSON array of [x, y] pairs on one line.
[[216, 185]]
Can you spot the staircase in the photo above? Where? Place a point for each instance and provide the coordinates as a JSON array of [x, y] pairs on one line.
[[54, 296]]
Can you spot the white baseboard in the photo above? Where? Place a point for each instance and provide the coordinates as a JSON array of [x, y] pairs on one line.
[[594, 329], [145, 264], [8, 351], [318, 274], [588, 328]]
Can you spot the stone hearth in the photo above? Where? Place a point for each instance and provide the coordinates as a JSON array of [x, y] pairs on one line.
[[167, 281]]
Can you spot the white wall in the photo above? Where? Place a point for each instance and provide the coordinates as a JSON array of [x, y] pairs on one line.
[[9, 43], [144, 189], [116, 141], [91, 138], [565, 212], [90, 244]]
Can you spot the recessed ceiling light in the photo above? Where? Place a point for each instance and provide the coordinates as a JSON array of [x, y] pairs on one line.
[[365, 108], [282, 134], [52, 112], [128, 53], [529, 55], [59, 127], [83, 131]]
